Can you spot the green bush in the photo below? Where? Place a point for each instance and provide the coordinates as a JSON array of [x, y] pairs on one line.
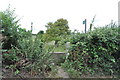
[[96, 51], [22, 48], [11, 29], [36, 53], [31, 51]]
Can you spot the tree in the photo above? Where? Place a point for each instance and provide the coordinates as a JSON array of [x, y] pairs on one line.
[[40, 35], [57, 29], [40, 32]]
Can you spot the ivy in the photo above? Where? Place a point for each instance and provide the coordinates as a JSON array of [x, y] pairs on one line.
[[95, 51]]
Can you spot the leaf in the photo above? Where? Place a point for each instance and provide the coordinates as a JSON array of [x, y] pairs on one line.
[[113, 60], [17, 72]]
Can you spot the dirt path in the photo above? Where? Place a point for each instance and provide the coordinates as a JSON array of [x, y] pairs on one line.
[[59, 73], [62, 73]]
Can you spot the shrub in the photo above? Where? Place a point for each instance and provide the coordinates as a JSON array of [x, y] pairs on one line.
[[11, 29], [32, 52], [95, 51]]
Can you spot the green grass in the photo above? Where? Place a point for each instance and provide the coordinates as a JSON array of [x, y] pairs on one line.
[[60, 48]]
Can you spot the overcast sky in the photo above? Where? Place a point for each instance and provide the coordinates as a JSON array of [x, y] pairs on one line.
[[40, 12]]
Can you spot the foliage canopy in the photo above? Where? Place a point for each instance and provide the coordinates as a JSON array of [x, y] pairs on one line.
[[57, 29]]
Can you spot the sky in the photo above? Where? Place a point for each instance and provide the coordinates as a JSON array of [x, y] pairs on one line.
[[40, 12]]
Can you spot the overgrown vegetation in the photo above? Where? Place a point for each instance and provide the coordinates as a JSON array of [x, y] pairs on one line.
[[23, 52], [95, 52], [11, 29]]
